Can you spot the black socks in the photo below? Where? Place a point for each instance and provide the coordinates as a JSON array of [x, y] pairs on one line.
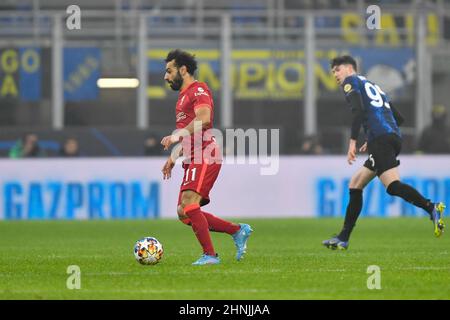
[[396, 188], [410, 195], [351, 215]]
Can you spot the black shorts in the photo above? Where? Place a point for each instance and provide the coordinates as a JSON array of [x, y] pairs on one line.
[[383, 152]]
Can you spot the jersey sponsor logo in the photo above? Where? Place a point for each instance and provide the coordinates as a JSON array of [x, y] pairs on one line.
[[181, 116], [347, 87], [201, 92]]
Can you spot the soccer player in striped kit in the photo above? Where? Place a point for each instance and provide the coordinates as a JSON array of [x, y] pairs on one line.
[[372, 109]]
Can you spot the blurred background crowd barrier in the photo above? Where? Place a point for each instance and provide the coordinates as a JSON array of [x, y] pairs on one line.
[[266, 61]]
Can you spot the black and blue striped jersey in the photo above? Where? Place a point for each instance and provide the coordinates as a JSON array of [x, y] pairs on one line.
[[378, 118]]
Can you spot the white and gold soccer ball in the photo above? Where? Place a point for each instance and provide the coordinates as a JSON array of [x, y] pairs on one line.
[[148, 251]]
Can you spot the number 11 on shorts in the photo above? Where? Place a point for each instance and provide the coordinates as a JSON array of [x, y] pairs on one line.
[[193, 172]]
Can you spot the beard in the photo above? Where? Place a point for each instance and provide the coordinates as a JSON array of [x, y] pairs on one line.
[[177, 82]]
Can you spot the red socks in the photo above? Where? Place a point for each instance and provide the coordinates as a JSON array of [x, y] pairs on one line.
[[200, 227], [216, 224], [219, 225], [203, 222]]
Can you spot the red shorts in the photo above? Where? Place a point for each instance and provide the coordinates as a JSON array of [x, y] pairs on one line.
[[199, 178]]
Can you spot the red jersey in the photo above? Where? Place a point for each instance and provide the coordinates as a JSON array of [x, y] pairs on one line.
[[195, 95]]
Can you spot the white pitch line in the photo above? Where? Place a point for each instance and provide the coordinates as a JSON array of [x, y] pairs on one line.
[[270, 271], [140, 291]]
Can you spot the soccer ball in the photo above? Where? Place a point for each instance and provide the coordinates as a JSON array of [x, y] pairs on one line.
[[148, 251]]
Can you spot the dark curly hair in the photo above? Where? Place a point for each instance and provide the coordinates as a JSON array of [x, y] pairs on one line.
[[343, 60], [183, 58]]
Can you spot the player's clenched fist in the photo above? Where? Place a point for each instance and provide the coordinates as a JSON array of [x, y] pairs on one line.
[[167, 141]]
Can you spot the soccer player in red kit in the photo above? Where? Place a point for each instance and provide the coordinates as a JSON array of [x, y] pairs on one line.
[[194, 116]]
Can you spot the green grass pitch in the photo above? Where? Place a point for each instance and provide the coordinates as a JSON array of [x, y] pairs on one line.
[[285, 260]]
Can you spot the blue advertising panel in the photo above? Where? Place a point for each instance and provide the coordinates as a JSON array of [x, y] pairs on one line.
[[81, 72]]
